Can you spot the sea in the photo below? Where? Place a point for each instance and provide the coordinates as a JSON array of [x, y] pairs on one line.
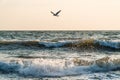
[[60, 55]]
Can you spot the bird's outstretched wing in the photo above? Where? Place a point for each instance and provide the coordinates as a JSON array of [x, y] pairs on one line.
[[58, 12], [52, 12]]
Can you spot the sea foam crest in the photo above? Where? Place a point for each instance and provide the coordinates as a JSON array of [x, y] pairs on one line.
[[103, 64]]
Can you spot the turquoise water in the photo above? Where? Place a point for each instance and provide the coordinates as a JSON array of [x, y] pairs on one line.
[[34, 55]]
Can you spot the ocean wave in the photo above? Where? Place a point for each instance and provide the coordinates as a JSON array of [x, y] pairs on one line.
[[108, 63], [35, 67], [70, 43], [59, 67], [110, 43]]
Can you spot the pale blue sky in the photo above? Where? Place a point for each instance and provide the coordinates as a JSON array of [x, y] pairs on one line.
[[76, 14]]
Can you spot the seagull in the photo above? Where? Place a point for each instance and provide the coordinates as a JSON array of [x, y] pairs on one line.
[[56, 14]]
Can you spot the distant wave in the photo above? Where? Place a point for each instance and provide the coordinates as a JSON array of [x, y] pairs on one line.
[[113, 43], [70, 43], [59, 67]]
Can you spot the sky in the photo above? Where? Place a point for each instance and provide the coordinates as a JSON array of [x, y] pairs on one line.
[[75, 15]]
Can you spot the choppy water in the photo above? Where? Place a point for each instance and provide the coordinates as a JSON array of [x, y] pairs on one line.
[[69, 55]]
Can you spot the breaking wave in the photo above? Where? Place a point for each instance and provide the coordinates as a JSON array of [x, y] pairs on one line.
[[78, 43], [59, 67]]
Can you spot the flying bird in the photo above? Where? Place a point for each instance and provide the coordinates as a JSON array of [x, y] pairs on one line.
[[56, 14]]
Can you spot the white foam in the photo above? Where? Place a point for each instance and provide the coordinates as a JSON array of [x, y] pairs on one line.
[[41, 67], [53, 67]]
